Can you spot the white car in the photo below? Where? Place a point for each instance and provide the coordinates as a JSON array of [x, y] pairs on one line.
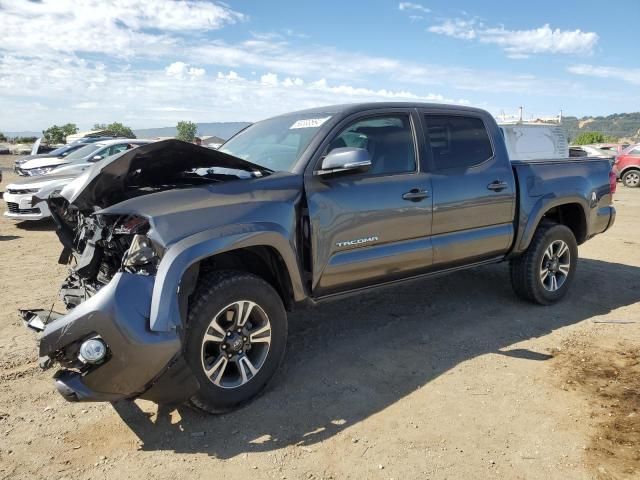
[[19, 196], [88, 154]]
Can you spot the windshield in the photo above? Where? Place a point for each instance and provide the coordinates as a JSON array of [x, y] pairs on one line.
[[65, 150], [83, 152], [276, 143]]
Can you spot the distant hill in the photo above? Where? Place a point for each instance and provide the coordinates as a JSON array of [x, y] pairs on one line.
[[621, 125], [22, 134], [223, 130]]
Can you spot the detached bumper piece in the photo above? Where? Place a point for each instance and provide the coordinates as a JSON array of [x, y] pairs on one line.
[[36, 319], [137, 359]]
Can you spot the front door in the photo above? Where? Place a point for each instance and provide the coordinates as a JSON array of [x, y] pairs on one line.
[[371, 227]]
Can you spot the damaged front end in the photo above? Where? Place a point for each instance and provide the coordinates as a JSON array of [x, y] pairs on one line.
[[104, 343], [100, 246]]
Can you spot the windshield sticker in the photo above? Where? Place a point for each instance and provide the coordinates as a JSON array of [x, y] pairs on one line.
[[309, 123]]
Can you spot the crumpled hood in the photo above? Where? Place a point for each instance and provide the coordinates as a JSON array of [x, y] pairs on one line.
[[155, 160], [178, 213]]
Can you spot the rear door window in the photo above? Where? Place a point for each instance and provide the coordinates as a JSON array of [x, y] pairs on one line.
[[457, 142]]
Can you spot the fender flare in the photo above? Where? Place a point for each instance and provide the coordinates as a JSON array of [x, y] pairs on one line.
[[538, 210], [165, 310]]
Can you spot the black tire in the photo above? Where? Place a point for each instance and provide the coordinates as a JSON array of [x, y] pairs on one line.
[[631, 178], [215, 292], [526, 269]]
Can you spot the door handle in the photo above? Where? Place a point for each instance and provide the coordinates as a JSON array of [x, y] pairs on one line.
[[497, 185], [415, 195]]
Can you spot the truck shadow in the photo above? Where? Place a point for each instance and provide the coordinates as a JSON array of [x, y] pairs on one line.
[[351, 359], [43, 225]]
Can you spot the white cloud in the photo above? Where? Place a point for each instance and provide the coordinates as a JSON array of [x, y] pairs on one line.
[[629, 75], [113, 27], [181, 71], [135, 66], [269, 79], [231, 76], [456, 28], [415, 7], [143, 98], [520, 43], [290, 82]]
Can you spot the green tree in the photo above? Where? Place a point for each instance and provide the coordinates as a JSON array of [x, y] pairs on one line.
[[24, 139], [186, 131], [3, 137], [587, 138], [116, 128], [56, 134]]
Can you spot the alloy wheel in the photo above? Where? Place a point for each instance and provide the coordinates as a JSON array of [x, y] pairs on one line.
[[632, 179], [555, 265], [236, 344]]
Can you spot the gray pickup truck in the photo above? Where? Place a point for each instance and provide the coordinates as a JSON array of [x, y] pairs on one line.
[[185, 260]]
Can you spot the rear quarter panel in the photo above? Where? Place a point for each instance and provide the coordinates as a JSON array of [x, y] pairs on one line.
[[545, 184]]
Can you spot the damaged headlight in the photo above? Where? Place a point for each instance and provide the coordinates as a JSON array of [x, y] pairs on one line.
[[142, 256]]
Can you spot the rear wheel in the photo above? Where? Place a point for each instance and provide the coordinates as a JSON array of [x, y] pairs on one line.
[[545, 271], [236, 339], [631, 178]]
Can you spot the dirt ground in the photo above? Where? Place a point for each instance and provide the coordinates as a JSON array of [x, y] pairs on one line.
[[445, 378]]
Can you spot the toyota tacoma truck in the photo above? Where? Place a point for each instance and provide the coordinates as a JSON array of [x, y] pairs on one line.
[[184, 261]]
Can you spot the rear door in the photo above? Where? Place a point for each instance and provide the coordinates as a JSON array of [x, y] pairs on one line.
[[473, 188], [371, 227]]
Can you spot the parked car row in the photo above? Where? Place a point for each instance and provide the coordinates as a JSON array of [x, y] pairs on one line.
[[76, 154], [47, 174]]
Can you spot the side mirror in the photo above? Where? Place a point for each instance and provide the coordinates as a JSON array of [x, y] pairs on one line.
[[345, 159], [96, 158]]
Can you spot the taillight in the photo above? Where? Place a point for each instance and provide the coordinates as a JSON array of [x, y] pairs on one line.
[[613, 182]]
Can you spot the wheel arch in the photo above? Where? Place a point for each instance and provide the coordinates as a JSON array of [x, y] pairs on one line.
[[263, 261], [571, 212], [263, 249], [628, 168]]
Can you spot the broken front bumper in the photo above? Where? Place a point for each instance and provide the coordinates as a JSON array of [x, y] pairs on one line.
[[139, 363]]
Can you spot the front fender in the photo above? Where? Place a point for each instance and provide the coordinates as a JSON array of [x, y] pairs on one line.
[[165, 311]]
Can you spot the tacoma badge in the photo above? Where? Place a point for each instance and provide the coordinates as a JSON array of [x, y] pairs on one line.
[[359, 241]]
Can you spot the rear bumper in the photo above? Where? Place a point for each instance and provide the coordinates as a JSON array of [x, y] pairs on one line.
[[605, 219], [612, 218], [137, 358]]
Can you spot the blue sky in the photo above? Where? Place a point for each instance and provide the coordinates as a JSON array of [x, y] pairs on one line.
[[154, 62]]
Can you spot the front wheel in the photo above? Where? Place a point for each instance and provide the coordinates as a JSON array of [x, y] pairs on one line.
[[631, 178], [236, 339], [545, 271]]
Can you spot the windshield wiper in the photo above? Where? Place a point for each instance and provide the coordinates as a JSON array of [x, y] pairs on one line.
[[265, 170]]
